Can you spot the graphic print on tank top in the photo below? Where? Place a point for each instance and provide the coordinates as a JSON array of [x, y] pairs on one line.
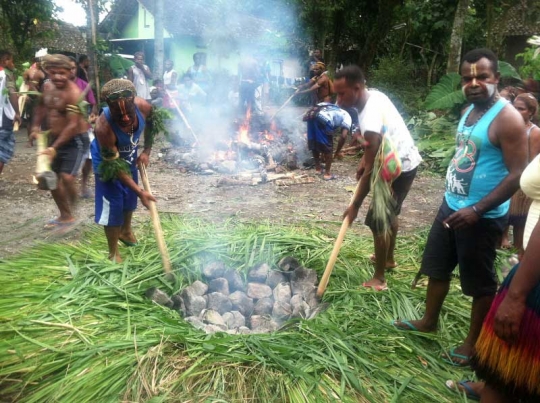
[[461, 170]]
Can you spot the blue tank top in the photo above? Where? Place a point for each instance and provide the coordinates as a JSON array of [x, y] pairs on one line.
[[477, 166], [127, 146]]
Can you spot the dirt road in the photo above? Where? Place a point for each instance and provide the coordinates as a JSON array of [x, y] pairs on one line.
[[26, 209]]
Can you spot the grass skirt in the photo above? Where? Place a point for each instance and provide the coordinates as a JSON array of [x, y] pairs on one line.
[[513, 369], [519, 207]]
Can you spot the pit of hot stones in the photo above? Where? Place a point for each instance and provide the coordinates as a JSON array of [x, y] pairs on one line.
[[262, 304]]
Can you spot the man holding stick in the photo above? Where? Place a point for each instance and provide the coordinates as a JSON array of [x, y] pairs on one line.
[[67, 134], [114, 158], [390, 154]]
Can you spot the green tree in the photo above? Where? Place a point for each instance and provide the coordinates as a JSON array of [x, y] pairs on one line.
[[20, 20]]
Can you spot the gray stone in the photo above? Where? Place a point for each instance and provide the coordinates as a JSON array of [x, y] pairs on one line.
[[281, 310], [236, 282], [262, 324], [234, 319], [264, 306], [303, 280], [274, 278], [178, 305], [282, 293], [310, 296], [259, 273], [219, 302], [227, 167], [159, 297], [220, 285], [213, 270], [194, 304], [244, 330], [195, 322], [199, 288], [301, 310], [288, 263], [241, 303], [213, 318], [258, 291], [211, 329]]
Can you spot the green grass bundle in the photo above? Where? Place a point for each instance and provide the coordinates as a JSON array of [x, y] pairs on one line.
[[75, 327]]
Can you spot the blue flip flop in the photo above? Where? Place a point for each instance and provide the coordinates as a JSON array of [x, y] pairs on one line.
[[469, 392], [452, 354], [407, 323]]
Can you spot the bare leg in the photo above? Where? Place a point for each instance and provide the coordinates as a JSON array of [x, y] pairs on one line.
[[390, 259], [113, 234], [505, 243], [381, 243], [70, 189], [126, 232], [518, 239], [436, 294], [317, 158], [61, 199], [490, 395], [480, 309], [327, 165], [86, 171]]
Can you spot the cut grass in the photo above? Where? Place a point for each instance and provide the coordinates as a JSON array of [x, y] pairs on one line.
[[77, 328]]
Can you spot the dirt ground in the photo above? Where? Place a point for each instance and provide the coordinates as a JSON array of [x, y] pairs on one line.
[[26, 210]]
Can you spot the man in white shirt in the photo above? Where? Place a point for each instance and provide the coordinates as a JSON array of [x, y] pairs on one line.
[[381, 125]]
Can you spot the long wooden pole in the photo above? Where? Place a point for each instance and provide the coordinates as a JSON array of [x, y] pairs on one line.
[[182, 116], [158, 231], [283, 106], [335, 251]]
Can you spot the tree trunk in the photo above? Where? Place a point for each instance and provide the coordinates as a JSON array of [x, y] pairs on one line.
[[159, 47], [92, 13], [456, 38]]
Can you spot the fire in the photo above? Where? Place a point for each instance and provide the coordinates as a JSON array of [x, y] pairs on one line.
[[243, 132]]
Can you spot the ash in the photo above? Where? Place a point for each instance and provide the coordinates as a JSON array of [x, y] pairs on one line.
[[261, 303]]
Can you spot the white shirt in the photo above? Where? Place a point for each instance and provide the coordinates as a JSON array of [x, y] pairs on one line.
[[5, 105], [381, 116], [167, 77]]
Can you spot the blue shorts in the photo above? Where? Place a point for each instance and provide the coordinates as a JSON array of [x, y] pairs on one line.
[[7, 145], [113, 199]]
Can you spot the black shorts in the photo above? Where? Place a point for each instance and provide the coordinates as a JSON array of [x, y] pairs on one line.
[[400, 190], [473, 249], [71, 156]]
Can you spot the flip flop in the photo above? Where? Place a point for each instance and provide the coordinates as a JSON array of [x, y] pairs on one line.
[[407, 323], [54, 223], [383, 287], [128, 243], [469, 392], [452, 354], [332, 177]]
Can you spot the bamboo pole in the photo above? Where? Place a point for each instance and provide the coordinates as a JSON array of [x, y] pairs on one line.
[[335, 251], [283, 106], [94, 46], [158, 231], [182, 116]]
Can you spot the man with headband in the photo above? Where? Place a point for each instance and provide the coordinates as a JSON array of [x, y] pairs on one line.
[[490, 155], [67, 134], [320, 86], [114, 158]]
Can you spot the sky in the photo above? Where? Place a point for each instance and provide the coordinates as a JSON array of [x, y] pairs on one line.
[[73, 12]]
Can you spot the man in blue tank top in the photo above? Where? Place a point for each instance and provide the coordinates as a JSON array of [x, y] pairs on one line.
[[114, 158], [491, 153]]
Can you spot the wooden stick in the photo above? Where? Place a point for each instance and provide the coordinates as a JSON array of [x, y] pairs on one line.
[[337, 246], [283, 106], [22, 102], [182, 116], [158, 231]]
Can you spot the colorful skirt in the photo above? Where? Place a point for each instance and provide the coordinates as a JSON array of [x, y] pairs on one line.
[[513, 369]]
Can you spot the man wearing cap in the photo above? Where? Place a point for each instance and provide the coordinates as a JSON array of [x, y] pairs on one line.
[[320, 86], [67, 134], [114, 158]]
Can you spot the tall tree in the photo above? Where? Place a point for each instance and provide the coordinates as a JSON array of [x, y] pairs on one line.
[[20, 20], [159, 48], [456, 38]]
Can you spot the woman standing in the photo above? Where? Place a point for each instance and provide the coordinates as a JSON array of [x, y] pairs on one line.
[[527, 106]]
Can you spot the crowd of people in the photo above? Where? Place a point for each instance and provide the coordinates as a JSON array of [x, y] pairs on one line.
[[493, 175]]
